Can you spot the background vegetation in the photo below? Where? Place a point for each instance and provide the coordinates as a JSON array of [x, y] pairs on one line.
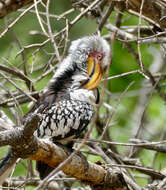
[[133, 105]]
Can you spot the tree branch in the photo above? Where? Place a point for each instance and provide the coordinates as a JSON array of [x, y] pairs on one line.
[[157, 7], [44, 150], [7, 7]]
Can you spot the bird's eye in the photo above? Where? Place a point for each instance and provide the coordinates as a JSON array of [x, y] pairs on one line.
[[99, 57]]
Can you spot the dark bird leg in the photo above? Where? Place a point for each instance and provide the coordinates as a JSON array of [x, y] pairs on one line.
[[43, 169]]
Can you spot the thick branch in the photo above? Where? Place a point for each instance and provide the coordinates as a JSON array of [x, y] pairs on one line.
[[53, 155], [152, 9], [94, 174], [20, 139]]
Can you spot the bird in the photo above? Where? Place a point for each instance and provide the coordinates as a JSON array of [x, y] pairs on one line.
[[67, 103], [67, 106]]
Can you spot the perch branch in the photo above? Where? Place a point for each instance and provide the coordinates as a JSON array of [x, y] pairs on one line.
[[44, 150]]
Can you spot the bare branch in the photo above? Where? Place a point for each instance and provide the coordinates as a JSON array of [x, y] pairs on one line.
[[53, 155], [149, 7]]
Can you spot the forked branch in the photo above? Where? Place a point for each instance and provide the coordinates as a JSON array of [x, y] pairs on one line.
[[72, 164]]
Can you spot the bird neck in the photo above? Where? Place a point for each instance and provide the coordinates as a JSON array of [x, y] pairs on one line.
[[66, 83], [60, 84], [68, 86]]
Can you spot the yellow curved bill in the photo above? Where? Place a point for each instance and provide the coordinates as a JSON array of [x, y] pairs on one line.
[[95, 73]]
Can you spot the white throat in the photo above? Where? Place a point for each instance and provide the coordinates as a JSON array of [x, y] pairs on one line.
[[83, 95]]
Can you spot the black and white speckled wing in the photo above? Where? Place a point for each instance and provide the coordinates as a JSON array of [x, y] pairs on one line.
[[66, 118]]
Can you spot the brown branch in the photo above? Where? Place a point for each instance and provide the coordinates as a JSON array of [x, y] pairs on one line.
[[154, 10], [24, 135], [94, 174], [7, 7], [53, 155]]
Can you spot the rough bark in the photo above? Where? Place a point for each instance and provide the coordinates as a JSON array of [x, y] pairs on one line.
[[91, 173], [35, 149], [74, 165], [152, 9]]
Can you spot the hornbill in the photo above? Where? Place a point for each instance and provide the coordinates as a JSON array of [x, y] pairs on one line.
[[67, 104]]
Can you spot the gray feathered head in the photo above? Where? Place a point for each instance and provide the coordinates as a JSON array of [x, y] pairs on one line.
[[82, 47], [85, 62]]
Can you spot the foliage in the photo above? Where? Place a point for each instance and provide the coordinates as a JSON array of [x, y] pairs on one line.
[[131, 102]]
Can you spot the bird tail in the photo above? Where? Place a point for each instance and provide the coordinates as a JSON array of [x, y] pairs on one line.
[[6, 166], [43, 169]]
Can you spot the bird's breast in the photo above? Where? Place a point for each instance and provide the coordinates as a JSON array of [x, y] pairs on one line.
[[65, 119]]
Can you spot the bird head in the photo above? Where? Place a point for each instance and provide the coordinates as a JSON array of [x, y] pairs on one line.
[[90, 55], [82, 70]]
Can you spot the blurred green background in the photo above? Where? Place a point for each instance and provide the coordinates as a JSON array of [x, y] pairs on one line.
[[123, 61]]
